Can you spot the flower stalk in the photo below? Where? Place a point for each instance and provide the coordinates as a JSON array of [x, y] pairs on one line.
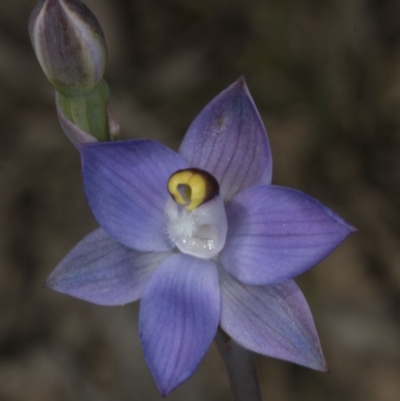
[[241, 367]]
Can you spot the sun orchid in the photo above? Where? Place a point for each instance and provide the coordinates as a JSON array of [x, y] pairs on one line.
[[204, 240]]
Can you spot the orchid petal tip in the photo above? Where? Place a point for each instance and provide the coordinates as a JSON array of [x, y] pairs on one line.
[[324, 367], [242, 81], [48, 283], [352, 229]]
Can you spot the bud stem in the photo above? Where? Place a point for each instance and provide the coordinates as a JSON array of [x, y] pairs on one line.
[[89, 111]]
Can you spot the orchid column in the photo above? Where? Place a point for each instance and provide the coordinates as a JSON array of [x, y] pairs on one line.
[[71, 49]]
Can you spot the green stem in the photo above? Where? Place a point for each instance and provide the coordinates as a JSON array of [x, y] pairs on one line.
[[89, 111], [241, 366]]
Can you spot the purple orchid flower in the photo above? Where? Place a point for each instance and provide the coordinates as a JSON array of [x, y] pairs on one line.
[[204, 240]]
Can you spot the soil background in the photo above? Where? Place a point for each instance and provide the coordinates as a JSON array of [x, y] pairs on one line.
[[326, 78]]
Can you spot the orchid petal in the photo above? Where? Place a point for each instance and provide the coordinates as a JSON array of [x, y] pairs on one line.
[[126, 187], [276, 233], [178, 318], [272, 320], [228, 139], [102, 271]]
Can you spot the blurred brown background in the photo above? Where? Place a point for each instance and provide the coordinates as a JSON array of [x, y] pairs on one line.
[[326, 78]]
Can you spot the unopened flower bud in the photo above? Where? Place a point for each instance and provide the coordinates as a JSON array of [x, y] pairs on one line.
[[69, 44]]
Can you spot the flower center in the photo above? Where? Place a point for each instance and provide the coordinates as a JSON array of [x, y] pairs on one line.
[[192, 187], [195, 213]]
